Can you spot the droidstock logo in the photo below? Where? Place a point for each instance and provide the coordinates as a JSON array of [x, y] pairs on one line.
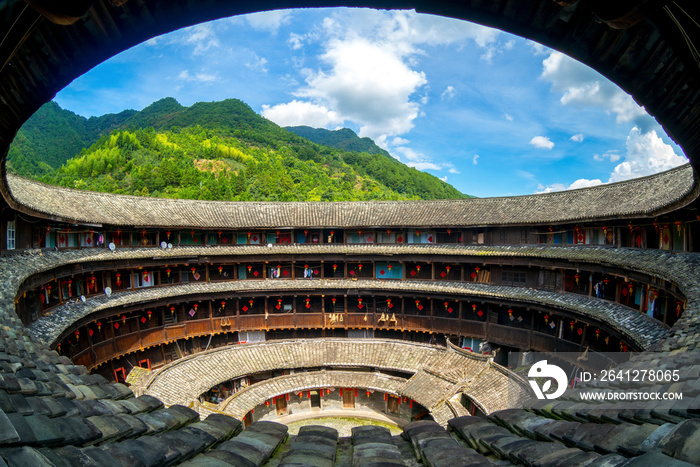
[[542, 370]]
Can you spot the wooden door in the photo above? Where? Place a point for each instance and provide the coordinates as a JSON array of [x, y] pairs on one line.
[[349, 399], [281, 405]]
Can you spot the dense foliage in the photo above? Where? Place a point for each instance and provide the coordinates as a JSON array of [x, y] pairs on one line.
[[344, 139], [215, 151]]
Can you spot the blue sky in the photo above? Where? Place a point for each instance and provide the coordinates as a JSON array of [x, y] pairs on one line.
[[495, 114]]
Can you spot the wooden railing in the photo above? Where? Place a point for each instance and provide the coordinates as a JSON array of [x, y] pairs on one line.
[[121, 345]]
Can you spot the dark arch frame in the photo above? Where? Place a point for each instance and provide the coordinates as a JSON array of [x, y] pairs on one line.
[[650, 59]]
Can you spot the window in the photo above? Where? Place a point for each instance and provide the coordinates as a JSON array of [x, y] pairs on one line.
[[514, 278], [10, 235]]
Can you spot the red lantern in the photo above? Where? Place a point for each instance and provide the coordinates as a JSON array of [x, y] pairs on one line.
[[546, 319], [332, 233], [192, 233], [388, 231], [58, 347], [328, 391], [359, 266], [510, 313], [193, 270], [449, 231], [631, 226], [388, 266], [359, 303], [267, 403], [597, 334], [149, 313], [123, 319], [577, 276], [446, 304], [195, 306], [99, 326], [332, 300], [77, 335], [678, 226], [477, 270], [145, 276], [249, 234], [119, 280], [308, 305], [143, 233], [367, 393], [251, 302], [335, 266], [167, 271], [605, 230], [418, 267], [388, 303], [221, 269], [223, 304], [447, 268], [306, 232], [172, 310], [250, 268], [571, 325], [473, 306], [167, 234], [219, 232]]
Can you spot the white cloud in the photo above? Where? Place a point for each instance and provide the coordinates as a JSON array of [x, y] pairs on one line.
[[297, 113], [580, 183], [538, 49], [646, 154], [295, 41], [269, 20], [368, 84], [475, 159], [257, 63], [449, 93], [583, 86], [444, 179], [577, 138], [452, 170], [613, 156], [204, 78], [202, 37], [508, 117], [369, 75], [541, 142]]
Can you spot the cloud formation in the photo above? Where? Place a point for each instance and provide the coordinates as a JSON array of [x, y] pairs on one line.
[[269, 20], [646, 154], [541, 142], [578, 138], [369, 74], [583, 86], [296, 113]]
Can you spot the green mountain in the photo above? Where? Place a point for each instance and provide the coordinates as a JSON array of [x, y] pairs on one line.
[[344, 139], [211, 150]]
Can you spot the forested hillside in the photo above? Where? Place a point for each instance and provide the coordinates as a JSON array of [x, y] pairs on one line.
[[217, 151], [344, 139]]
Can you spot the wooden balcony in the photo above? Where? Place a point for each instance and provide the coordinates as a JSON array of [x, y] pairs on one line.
[[118, 346]]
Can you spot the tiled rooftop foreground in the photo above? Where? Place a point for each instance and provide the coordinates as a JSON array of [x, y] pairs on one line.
[[642, 196], [53, 411], [636, 327]]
